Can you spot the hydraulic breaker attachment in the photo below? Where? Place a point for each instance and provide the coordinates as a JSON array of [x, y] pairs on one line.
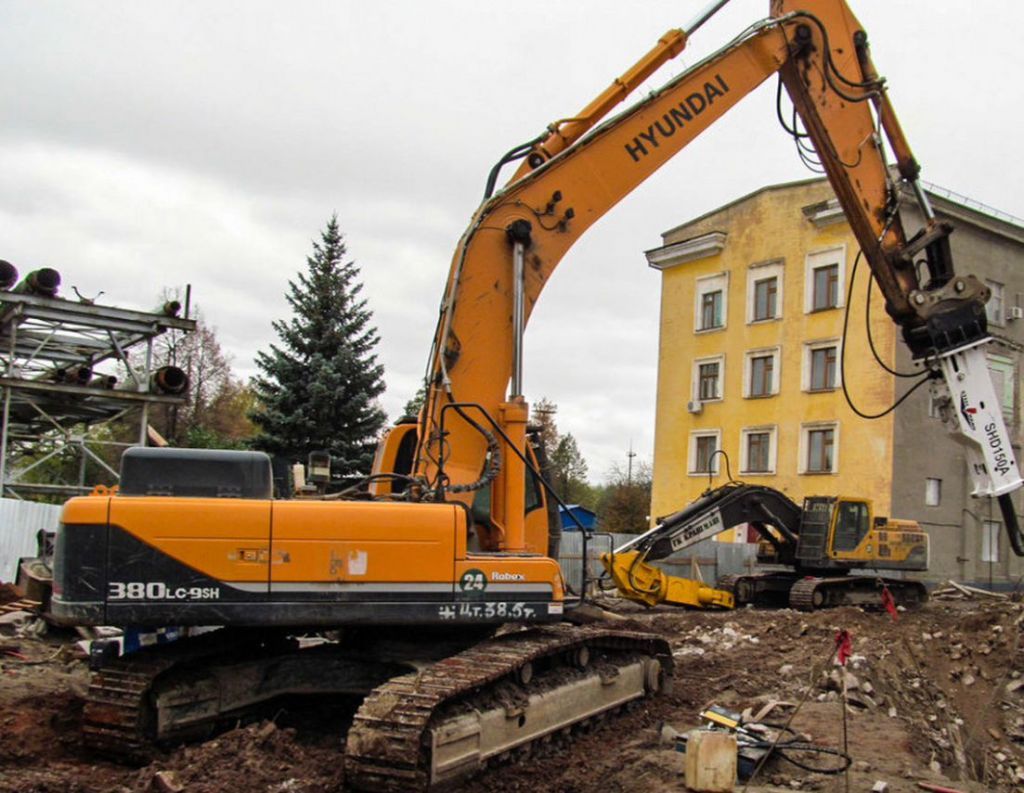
[[637, 580]]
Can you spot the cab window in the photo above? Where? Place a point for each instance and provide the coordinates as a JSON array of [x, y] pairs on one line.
[[851, 525]]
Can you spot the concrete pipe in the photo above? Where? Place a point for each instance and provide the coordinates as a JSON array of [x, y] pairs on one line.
[[169, 380], [44, 282], [8, 275]]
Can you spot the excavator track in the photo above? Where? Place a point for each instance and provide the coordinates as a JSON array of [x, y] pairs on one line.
[[115, 719], [413, 730], [408, 734], [809, 593], [757, 589], [119, 720], [812, 593]]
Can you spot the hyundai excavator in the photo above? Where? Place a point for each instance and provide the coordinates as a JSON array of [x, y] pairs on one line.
[[812, 550], [438, 574]]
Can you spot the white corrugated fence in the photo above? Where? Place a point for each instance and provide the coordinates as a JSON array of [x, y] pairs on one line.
[[19, 523]]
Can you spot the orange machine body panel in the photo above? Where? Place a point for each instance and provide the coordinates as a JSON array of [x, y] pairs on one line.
[[168, 560]]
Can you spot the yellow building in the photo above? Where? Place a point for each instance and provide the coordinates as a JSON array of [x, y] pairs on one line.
[[752, 307]]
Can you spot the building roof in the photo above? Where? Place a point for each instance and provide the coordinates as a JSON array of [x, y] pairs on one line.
[[947, 201]]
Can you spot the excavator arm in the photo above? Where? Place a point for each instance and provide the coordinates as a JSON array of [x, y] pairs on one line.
[[471, 432], [717, 510], [630, 568]]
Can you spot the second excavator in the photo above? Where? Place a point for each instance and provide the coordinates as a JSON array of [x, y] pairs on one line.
[[812, 549]]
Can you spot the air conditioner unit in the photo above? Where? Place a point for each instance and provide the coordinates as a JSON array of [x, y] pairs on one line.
[[696, 406], [1016, 312]]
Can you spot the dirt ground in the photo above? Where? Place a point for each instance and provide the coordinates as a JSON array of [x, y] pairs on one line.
[[936, 696]]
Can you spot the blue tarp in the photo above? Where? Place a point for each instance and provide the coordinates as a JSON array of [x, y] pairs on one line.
[[582, 514]]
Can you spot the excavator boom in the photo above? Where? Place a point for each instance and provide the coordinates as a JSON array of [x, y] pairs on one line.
[[581, 167]]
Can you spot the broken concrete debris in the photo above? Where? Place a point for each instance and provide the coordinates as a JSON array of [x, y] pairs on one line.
[[935, 698]]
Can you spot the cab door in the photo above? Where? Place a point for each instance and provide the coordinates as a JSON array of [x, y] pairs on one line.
[[852, 523]]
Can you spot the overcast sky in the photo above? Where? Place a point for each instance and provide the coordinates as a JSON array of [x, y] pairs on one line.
[[148, 145]]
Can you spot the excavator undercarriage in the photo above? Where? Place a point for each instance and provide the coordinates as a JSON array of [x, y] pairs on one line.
[[423, 721], [809, 592]]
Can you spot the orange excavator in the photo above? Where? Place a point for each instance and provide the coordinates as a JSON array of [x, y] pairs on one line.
[[438, 572]]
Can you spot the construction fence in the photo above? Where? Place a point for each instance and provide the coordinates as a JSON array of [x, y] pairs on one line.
[[20, 521]]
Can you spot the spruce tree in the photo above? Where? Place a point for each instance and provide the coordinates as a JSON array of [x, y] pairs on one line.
[[317, 389]]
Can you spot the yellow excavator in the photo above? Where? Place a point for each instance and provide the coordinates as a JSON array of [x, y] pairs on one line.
[[810, 553], [448, 541]]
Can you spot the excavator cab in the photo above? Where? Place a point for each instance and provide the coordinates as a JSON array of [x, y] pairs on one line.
[[838, 533]]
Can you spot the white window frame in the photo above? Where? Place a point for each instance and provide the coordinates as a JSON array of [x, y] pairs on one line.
[[772, 431], [703, 286], [808, 359], [692, 455], [760, 272], [776, 354], [932, 491], [695, 388], [805, 430], [991, 530], [824, 258], [995, 308]]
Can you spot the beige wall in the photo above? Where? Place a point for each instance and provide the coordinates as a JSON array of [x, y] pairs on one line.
[[769, 225]]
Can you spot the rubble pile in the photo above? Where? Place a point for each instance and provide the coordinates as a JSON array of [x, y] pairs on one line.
[[962, 691], [935, 697], [265, 757]]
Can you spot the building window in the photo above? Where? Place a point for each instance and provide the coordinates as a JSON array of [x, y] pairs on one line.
[[708, 383], [703, 445], [825, 279], [712, 302], [995, 307], [932, 492], [761, 373], [757, 454], [820, 369], [708, 378], [711, 310], [764, 291], [819, 449], [761, 368], [826, 287], [823, 368], [990, 540], [820, 445]]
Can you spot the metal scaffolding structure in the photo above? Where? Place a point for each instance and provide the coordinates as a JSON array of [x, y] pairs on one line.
[[52, 397]]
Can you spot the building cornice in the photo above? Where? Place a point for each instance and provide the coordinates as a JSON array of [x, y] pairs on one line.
[[702, 247]]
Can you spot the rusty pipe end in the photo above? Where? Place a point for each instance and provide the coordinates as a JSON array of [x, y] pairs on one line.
[[8, 274], [170, 380]]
